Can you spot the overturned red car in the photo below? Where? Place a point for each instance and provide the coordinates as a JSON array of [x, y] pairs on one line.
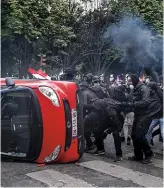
[[41, 121]]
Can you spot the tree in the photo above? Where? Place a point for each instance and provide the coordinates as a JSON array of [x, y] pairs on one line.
[[66, 33], [28, 21], [150, 10], [91, 51]]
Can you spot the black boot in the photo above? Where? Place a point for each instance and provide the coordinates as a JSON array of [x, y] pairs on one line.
[[99, 152], [118, 159], [134, 158], [91, 149], [148, 159]]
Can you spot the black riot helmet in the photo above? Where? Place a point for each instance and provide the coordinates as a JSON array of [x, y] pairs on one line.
[[89, 77]]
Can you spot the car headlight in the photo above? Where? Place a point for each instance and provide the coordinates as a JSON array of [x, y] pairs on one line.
[[51, 94], [53, 155]]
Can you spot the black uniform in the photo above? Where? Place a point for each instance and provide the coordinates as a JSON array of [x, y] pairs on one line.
[[90, 118], [155, 87], [104, 116], [99, 91], [146, 107], [118, 93]]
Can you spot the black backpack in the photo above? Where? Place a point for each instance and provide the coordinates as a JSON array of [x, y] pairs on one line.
[[117, 94], [100, 93]]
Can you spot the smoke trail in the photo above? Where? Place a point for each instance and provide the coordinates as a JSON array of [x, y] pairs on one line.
[[134, 40]]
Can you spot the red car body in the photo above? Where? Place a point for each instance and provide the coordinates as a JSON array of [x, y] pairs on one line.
[[58, 128]]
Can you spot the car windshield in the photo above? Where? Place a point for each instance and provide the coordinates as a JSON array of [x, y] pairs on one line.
[[16, 117]]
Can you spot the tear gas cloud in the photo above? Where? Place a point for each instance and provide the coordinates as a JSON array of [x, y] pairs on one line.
[[138, 46]]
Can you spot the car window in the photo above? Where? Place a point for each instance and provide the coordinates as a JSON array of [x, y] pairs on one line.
[[15, 122]]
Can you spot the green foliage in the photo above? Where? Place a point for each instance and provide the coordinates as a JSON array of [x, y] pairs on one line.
[[34, 19], [150, 10], [26, 22], [66, 33]]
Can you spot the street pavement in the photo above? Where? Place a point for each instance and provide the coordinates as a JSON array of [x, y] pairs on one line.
[[90, 171]]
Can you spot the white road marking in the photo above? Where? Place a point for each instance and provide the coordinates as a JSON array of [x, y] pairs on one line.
[[56, 179], [155, 162], [158, 151], [136, 177], [158, 163]]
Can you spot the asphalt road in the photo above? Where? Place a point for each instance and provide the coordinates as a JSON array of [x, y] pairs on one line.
[[91, 171]]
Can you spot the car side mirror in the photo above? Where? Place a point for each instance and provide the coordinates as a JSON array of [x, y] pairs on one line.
[[10, 82]]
